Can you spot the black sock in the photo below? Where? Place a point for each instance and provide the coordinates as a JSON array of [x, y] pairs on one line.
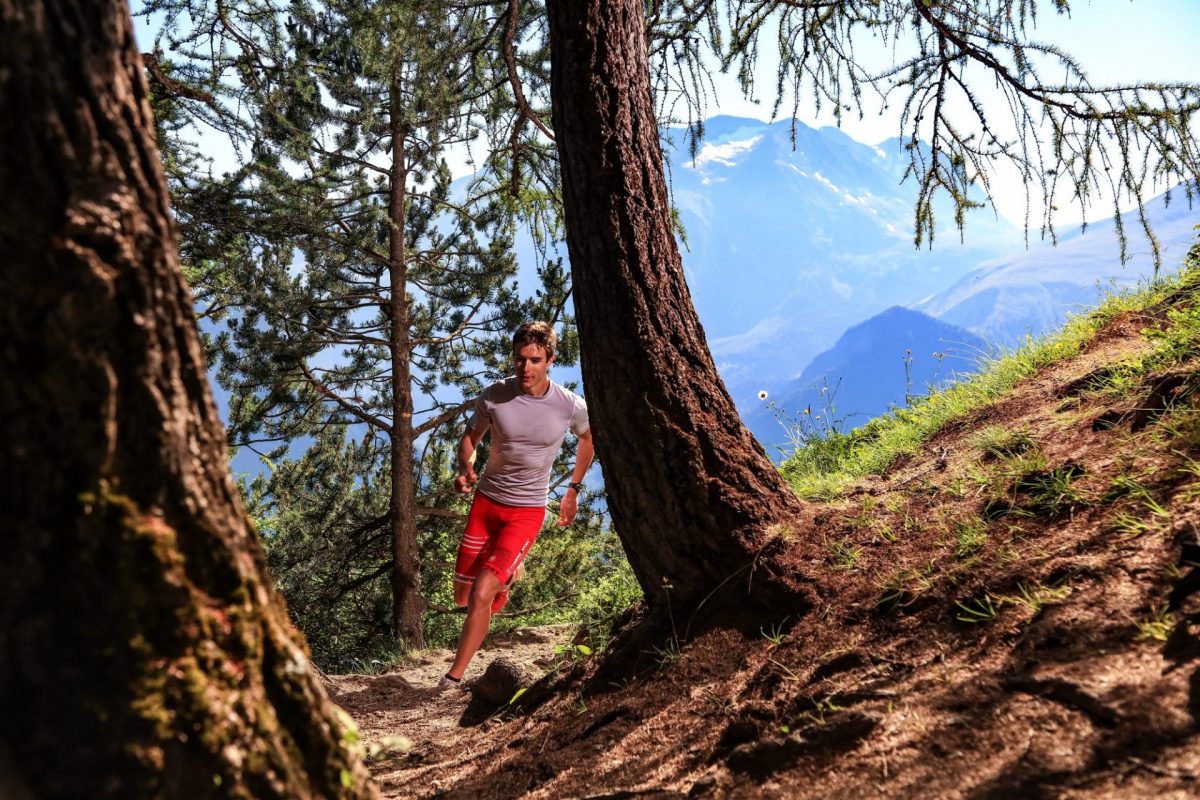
[[451, 677]]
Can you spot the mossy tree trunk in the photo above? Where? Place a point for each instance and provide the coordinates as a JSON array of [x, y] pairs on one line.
[[696, 501], [143, 651]]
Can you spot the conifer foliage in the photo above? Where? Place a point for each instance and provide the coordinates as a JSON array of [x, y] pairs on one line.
[[356, 299], [1070, 139]]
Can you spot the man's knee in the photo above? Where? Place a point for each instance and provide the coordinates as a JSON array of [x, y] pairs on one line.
[[485, 588], [483, 596]]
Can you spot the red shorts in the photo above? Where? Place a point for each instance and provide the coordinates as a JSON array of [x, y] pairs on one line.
[[496, 538]]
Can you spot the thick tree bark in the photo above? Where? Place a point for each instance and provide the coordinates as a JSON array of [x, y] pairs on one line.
[[694, 498], [407, 603], [143, 651]]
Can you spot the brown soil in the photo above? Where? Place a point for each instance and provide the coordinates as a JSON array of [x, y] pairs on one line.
[[440, 726], [901, 682]]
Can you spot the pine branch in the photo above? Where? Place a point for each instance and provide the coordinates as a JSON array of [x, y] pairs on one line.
[[525, 114], [338, 156], [441, 512], [361, 580], [175, 88], [442, 418], [349, 407], [1038, 94], [422, 341]]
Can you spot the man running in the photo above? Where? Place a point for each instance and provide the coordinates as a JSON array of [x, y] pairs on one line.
[[528, 415]]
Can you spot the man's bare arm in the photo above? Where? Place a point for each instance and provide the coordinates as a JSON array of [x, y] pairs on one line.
[[466, 477], [583, 459]]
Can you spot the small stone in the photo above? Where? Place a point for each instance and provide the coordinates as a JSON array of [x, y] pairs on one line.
[[501, 680], [393, 682]]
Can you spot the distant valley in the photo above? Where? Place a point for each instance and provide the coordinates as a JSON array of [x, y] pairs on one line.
[[797, 260]]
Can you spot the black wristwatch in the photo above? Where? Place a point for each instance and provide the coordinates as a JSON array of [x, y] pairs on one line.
[[578, 487]]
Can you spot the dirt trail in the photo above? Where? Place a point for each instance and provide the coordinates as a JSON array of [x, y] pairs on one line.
[[446, 728], [963, 642]]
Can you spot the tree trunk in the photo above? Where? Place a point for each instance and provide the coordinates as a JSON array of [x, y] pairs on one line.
[[406, 579], [693, 496], [143, 651]]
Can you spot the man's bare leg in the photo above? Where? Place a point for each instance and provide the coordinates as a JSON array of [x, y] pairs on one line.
[[479, 616]]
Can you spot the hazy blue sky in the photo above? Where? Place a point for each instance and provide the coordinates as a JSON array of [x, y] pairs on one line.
[[1115, 41]]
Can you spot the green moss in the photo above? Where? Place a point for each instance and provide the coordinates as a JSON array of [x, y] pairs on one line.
[[203, 685]]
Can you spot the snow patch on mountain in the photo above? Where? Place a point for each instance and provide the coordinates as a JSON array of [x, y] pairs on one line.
[[726, 154]]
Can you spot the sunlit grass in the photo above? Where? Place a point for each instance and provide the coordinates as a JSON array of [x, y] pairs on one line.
[[824, 468]]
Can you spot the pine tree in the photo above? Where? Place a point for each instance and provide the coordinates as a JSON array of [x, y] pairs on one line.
[[143, 651], [697, 504], [676, 506], [363, 299]]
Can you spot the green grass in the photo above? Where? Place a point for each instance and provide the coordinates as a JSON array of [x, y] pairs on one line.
[[668, 655], [1158, 626], [1182, 428], [905, 587], [1142, 513], [1130, 526], [1050, 493], [969, 538], [1189, 470], [842, 554], [1002, 443], [1037, 596], [775, 633], [821, 709], [823, 468], [978, 610], [885, 531], [1178, 341], [866, 515], [384, 656], [1123, 486]]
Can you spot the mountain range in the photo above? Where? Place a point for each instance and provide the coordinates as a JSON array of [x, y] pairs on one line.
[[801, 262], [792, 241], [1033, 291], [873, 366]]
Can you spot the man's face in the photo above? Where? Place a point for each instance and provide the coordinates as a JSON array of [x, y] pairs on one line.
[[530, 365]]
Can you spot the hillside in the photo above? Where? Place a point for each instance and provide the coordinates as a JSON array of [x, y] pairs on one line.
[[1007, 606], [997, 305]]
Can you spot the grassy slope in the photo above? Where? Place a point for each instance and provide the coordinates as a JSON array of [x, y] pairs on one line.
[[827, 466], [1008, 607]]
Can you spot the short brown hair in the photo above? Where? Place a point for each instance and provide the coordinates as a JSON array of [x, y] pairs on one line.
[[539, 333]]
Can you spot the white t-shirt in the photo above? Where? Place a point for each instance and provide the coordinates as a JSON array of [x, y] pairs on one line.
[[527, 433]]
